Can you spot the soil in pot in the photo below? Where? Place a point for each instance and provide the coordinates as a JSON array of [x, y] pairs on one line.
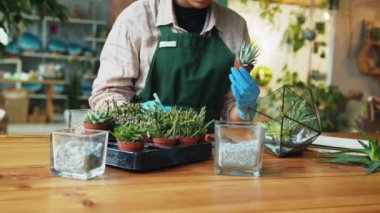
[[96, 126], [130, 146], [237, 65], [164, 142]]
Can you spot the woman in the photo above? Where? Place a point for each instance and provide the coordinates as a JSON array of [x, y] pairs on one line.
[[180, 49]]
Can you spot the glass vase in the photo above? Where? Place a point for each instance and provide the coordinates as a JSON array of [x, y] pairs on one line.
[[79, 154], [238, 148]]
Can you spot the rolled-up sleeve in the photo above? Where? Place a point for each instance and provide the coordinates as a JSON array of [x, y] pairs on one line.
[[119, 64]]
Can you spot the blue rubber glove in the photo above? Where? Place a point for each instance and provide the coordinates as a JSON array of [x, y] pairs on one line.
[[153, 104], [245, 90]]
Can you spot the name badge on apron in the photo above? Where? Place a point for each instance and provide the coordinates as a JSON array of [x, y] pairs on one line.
[[164, 44]]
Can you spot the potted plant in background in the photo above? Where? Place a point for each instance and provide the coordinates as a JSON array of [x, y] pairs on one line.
[[130, 137], [192, 126], [164, 126], [73, 88], [247, 56]]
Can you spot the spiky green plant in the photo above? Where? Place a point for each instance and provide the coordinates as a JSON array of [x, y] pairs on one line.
[[98, 117], [370, 152], [192, 124], [164, 124], [248, 54]]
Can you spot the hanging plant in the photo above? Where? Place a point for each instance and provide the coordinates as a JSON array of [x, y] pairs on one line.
[[294, 35], [268, 10]]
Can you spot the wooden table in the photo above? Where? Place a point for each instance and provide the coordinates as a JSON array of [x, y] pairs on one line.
[[289, 184]]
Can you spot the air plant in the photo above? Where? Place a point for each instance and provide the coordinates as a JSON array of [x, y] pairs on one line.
[[247, 56]]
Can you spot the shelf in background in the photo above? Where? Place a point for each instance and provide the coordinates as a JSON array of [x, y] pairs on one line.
[[59, 56], [90, 39], [70, 20], [56, 96], [47, 81], [373, 72], [10, 60], [374, 43]]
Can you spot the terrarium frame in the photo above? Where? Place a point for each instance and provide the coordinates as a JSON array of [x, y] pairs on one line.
[[291, 120]]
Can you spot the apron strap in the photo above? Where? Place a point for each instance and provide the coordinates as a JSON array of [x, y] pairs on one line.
[[165, 30]]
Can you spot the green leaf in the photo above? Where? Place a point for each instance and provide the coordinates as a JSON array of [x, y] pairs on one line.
[[363, 144], [362, 151], [373, 167], [347, 159]]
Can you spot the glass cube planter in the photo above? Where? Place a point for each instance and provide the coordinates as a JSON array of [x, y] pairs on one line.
[[77, 153], [291, 120], [238, 148]]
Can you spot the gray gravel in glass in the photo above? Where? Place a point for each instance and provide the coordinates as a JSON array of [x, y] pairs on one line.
[[78, 156]]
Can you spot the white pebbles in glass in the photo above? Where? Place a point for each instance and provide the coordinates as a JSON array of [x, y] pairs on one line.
[[238, 148], [239, 155]]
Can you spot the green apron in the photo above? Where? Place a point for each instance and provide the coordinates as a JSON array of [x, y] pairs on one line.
[[189, 70]]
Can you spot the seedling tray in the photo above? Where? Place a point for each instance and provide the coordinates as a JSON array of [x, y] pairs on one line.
[[153, 158]]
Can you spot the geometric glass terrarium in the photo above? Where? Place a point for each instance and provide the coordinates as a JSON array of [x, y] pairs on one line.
[[291, 120]]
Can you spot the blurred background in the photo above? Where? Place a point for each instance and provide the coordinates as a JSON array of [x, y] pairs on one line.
[[50, 56]]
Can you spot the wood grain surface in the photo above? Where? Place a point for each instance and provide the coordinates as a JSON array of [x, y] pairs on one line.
[[297, 184]]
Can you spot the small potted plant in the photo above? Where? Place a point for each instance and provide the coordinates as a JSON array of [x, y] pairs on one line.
[[164, 126], [130, 113], [98, 119], [247, 56], [192, 126], [129, 137]]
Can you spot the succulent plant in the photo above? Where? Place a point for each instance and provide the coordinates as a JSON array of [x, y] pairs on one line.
[[98, 117], [248, 54], [127, 113], [131, 132]]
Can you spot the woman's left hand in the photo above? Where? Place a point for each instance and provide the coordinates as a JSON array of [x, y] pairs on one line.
[[245, 90]]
